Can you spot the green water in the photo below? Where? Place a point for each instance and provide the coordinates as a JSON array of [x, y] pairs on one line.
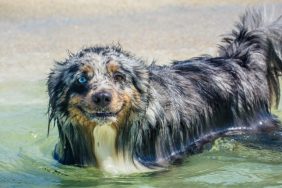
[[26, 160]]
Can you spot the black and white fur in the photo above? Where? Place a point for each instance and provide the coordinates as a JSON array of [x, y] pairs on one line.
[[186, 104]]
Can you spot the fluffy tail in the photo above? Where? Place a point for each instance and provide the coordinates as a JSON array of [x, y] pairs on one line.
[[256, 43]]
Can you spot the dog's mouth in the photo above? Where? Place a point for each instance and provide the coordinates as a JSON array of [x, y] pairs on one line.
[[101, 115]]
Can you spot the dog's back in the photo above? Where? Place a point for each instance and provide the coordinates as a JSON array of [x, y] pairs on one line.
[[247, 68], [226, 95]]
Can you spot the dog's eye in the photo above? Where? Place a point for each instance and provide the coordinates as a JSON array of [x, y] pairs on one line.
[[119, 77], [82, 80]]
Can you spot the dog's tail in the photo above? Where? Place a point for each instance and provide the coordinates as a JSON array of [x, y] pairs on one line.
[[256, 43]]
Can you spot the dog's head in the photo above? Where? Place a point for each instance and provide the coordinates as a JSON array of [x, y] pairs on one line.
[[97, 86]]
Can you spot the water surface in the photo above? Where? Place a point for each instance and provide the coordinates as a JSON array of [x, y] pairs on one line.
[[26, 154]]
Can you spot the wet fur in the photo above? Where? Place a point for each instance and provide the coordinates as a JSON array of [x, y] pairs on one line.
[[176, 109]]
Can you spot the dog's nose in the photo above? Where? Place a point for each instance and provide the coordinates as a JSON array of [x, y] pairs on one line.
[[102, 98]]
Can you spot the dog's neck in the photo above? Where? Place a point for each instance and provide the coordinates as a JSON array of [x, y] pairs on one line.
[[106, 154], [104, 147]]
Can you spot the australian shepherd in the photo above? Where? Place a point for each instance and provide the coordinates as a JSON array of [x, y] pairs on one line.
[[123, 115]]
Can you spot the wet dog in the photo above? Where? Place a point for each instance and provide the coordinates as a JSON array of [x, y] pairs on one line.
[[117, 113]]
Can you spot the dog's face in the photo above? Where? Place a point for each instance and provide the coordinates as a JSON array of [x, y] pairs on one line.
[[98, 86]]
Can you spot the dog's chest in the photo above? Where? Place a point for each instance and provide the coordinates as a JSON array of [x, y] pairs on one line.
[[106, 156], [105, 138]]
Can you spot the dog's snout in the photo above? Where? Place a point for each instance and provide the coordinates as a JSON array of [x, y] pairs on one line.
[[102, 98]]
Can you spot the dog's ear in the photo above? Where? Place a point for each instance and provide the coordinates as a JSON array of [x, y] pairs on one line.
[[57, 90], [53, 81], [60, 76], [54, 84], [140, 78]]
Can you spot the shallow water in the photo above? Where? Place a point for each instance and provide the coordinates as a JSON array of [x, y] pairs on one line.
[[26, 154], [33, 35]]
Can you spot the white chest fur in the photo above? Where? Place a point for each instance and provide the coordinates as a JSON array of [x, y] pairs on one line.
[[105, 138], [107, 157]]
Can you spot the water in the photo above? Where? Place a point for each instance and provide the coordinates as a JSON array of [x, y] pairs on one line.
[[32, 36], [26, 154]]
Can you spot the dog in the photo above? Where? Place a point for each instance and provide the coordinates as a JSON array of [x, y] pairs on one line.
[[117, 113]]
